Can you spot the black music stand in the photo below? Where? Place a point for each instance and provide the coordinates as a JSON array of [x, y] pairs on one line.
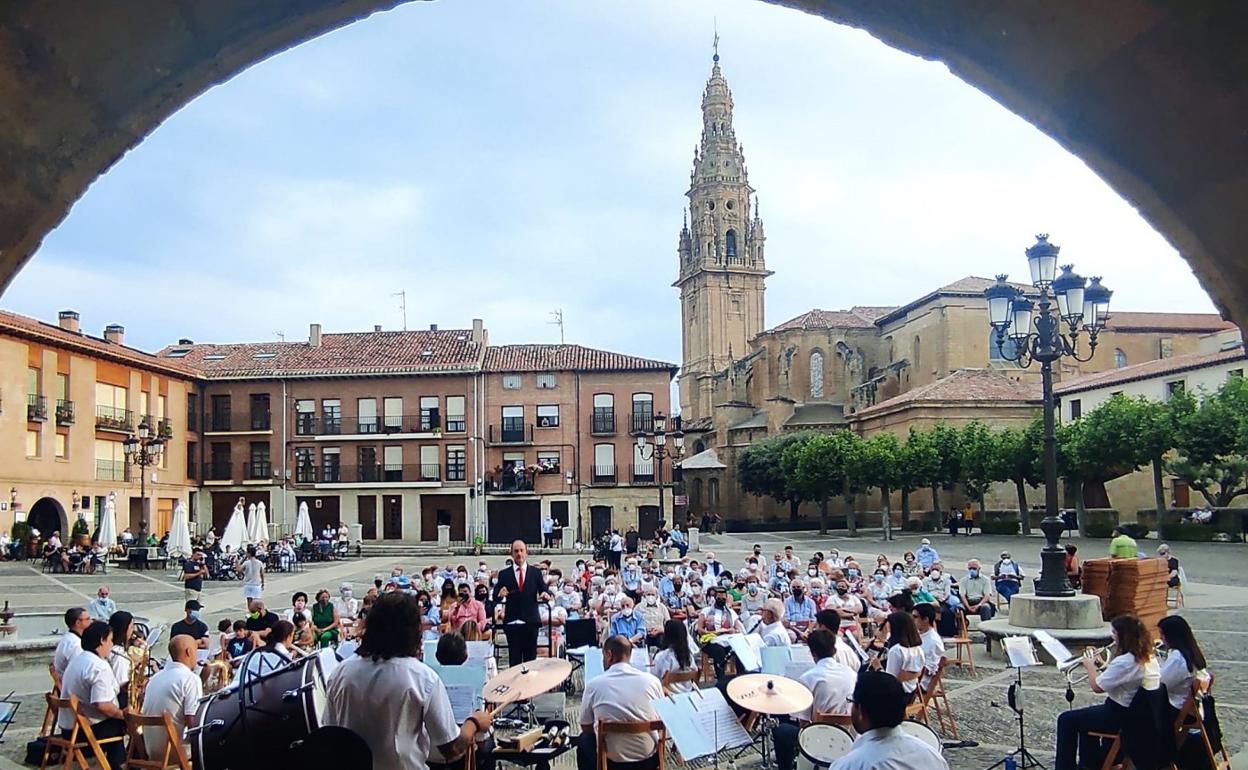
[[1021, 655], [8, 711]]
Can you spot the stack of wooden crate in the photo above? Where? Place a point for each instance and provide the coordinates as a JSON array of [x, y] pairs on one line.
[[1128, 587]]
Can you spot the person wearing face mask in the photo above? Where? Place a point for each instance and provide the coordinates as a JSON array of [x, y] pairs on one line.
[[799, 610], [631, 578], [847, 606], [1008, 577], [853, 574], [976, 592], [834, 560], [698, 597], [926, 555], [897, 576], [876, 594], [654, 614], [754, 598], [715, 621], [911, 565], [552, 618], [569, 598], [191, 625], [628, 624], [102, 606], [818, 592], [675, 599], [939, 585], [713, 565], [465, 608]]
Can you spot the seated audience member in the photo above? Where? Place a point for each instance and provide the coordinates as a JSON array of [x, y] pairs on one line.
[[1074, 571], [879, 707], [260, 621], [920, 596], [225, 631], [933, 645], [799, 610], [550, 631], [278, 650], [675, 656], [1172, 565], [102, 606], [831, 683], [192, 625], [298, 606], [939, 585], [654, 614], [717, 620], [772, 629], [91, 680], [628, 624], [174, 690], [1008, 576], [325, 621], [303, 637], [621, 694], [1122, 545], [977, 592], [240, 643], [847, 606]]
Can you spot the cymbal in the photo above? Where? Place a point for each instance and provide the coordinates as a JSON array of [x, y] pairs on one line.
[[770, 694], [527, 680]]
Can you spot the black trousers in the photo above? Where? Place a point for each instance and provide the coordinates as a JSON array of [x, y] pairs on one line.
[[115, 752], [1072, 733], [587, 756], [521, 642]]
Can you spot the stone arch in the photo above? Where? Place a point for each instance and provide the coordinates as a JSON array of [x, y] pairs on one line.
[[48, 515]]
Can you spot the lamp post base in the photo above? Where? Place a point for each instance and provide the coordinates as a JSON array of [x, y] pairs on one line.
[[1052, 580]]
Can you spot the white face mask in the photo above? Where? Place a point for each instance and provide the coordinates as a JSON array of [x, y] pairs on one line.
[[611, 591], [567, 589], [812, 572], [753, 588], [935, 574], [627, 612], [652, 600]]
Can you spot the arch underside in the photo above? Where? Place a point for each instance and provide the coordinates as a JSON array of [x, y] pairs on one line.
[[1150, 95]]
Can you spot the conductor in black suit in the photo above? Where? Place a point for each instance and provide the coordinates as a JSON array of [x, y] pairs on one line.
[[523, 583]]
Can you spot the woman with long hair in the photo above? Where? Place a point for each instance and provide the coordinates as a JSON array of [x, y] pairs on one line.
[[122, 624], [1134, 667], [278, 650], [675, 655], [1184, 664], [904, 659]]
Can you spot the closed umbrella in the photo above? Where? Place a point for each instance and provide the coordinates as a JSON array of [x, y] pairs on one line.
[[251, 524], [235, 530], [108, 522], [261, 535], [303, 525], [180, 533]]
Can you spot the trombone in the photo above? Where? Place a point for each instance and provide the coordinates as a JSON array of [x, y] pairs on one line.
[[1074, 670]]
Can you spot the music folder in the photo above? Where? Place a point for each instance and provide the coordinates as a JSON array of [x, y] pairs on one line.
[[700, 723]]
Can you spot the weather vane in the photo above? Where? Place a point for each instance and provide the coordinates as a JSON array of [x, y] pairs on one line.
[[716, 43]]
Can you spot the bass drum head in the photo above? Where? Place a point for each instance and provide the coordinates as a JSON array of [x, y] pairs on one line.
[[923, 733], [821, 745]]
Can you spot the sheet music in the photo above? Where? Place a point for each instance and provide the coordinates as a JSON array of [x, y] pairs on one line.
[[640, 659], [800, 653], [479, 651], [748, 649], [329, 661], [1020, 652], [464, 700], [795, 668], [1053, 646], [701, 722], [593, 663], [775, 659]]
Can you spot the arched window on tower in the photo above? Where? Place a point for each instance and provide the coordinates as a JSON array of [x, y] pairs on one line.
[[712, 493], [816, 374], [695, 493], [1120, 358], [730, 243]]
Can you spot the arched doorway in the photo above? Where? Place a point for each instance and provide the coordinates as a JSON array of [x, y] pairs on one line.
[[47, 516]]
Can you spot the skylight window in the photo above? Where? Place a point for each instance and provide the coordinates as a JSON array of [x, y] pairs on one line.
[[215, 357], [178, 353], [265, 354]]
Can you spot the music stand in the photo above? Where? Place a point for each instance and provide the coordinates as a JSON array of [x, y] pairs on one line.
[[1021, 654], [8, 711]]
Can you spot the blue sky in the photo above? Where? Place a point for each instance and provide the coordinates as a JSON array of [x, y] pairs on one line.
[[503, 159]]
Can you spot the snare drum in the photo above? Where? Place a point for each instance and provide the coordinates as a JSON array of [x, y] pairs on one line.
[[923, 733], [820, 745], [276, 710]]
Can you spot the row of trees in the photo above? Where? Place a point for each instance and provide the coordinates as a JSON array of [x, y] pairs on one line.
[[1202, 442]]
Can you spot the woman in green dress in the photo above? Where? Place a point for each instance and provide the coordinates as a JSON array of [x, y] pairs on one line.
[[324, 619]]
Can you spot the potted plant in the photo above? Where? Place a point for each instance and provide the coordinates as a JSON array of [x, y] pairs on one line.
[[20, 533], [81, 532]]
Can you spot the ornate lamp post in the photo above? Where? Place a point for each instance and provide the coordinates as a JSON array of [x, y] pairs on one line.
[[656, 443], [1033, 332], [143, 452]]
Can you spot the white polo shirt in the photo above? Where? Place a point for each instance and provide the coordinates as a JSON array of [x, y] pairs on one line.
[[774, 635], [119, 662], [91, 679], [890, 748], [901, 658], [66, 650], [174, 690], [666, 662], [933, 652], [623, 694], [832, 684], [1123, 676], [398, 706]]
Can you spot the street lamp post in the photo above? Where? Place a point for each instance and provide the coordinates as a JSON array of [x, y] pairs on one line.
[[656, 442], [143, 452], [1034, 333]]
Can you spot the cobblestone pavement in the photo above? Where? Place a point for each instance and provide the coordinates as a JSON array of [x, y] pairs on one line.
[[1217, 607]]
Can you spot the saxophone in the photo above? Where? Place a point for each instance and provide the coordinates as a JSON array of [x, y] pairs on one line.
[[140, 670]]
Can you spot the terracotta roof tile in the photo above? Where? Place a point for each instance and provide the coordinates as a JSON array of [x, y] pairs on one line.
[[51, 334], [961, 386], [550, 358], [872, 312], [824, 319], [1156, 368], [1178, 322], [387, 352]]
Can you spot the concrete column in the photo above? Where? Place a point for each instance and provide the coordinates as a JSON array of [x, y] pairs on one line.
[[444, 536], [567, 539], [357, 532], [693, 539]]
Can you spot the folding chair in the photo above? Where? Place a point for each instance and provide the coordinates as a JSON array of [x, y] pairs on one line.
[[842, 720], [1190, 725], [935, 698], [603, 729], [677, 677], [136, 756], [49, 716], [1174, 594], [80, 737], [962, 642]]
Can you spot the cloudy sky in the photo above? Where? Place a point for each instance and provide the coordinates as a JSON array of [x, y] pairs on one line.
[[504, 159]]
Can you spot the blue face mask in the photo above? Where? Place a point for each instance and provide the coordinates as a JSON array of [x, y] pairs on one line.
[[853, 572], [195, 614], [896, 573], [973, 572]]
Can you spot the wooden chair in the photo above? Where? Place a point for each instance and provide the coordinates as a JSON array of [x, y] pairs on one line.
[[603, 729], [677, 677], [962, 643], [1189, 724], [842, 720], [80, 737], [1112, 751], [1174, 594], [936, 699], [136, 756], [49, 716]]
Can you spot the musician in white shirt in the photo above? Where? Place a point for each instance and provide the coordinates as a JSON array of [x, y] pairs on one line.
[[1184, 664], [174, 690], [932, 643], [829, 682], [676, 655], [89, 677], [904, 659], [878, 710], [621, 694], [122, 625], [70, 645], [1133, 668]]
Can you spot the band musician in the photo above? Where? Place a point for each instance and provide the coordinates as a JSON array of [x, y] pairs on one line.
[[521, 618]]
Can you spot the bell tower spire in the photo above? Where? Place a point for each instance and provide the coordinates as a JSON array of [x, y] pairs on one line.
[[722, 262]]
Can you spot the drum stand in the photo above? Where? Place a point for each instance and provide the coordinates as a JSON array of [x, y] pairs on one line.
[[1021, 755]]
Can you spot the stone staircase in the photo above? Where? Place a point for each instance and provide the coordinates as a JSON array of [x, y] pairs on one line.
[[402, 550]]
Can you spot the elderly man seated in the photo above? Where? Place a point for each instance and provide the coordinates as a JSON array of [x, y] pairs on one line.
[[977, 592], [654, 614], [621, 694]]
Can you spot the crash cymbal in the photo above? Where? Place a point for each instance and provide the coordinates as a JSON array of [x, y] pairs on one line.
[[770, 694], [527, 680]]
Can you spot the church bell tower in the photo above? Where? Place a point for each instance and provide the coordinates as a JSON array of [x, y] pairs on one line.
[[722, 267]]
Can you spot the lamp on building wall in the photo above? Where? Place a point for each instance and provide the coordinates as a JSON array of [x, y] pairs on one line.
[[1035, 330], [143, 451], [652, 445], [75, 501]]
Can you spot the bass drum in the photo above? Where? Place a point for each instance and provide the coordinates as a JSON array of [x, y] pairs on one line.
[[820, 745], [278, 709], [923, 733]]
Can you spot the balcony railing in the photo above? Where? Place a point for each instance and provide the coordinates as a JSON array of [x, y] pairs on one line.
[[373, 473], [36, 408], [165, 428], [218, 470], [114, 418], [111, 470], [510, 484], [307, 424], [641, 422], [261, 420], [603, 423], [306, 474], [256, 470], [512, 433], [643, 474], [603, 474], [221, 422], [64, 412]]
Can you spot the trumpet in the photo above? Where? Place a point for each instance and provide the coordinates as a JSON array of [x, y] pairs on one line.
[[1160, 651], [1074, 670]]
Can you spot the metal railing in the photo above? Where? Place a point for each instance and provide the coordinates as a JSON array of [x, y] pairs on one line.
[[114, 418], [370, 473], [262, 420], [603, 474], [218, 470], [510, 484], [307, 424], [220, 422], [603, 422], [643, 474], [111, 470], [36, 408], [641, 422], [255, 470], [512, 433], [64, 412]]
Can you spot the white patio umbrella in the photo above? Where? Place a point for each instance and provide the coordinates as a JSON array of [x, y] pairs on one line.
[[235, 530], [180, 533], [108, 522], [250, 533], [303, 524], [261, 534]]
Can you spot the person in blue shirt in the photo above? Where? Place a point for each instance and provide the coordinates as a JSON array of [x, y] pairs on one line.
[[926, 555], [628, 623], [799, 609], [631, 577]]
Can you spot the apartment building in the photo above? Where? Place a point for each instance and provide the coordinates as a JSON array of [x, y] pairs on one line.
[[68, 401]]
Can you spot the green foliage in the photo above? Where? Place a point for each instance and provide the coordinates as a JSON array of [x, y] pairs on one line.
[[877, 463], [20, 531], [819, 465], [947, 441], [1022, 454], [1211, 440], [978, 460], [918, 461], [1000, 527], [761, 470], [1189, 532], [80, 527]]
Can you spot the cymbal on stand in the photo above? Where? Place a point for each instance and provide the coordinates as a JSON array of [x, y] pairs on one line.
[[770, 694], [527, 680]]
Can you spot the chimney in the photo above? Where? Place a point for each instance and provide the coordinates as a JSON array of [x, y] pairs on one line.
[[314, 335], [376, 327], [433, 327], [478, 330], [68, 320], [115, 333], [185, 341]]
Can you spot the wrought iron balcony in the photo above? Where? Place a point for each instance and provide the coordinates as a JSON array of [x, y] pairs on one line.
[[603, 474], [643, 473], [218, 470], [64, 412], [221, 422], [603, 422], [512, 433], [114, 419], [36, 408], [257, 470]]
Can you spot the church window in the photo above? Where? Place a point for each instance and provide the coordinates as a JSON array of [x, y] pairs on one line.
[[712, 493], [918, 353], [729, 205], [710, 205], [695, 493], [1120, 358], [816, 374], [730, 247]]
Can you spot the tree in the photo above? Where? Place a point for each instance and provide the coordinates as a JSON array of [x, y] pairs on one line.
[[979, 465], [1021, 455], [818, 468], [878, 464], [1212, 443], [917, 464], [948, 469], [1155, 437], [761, 472]]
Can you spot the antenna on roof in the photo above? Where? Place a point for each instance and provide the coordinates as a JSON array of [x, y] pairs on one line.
[[402, 295], [558, 314], [280, 335]]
